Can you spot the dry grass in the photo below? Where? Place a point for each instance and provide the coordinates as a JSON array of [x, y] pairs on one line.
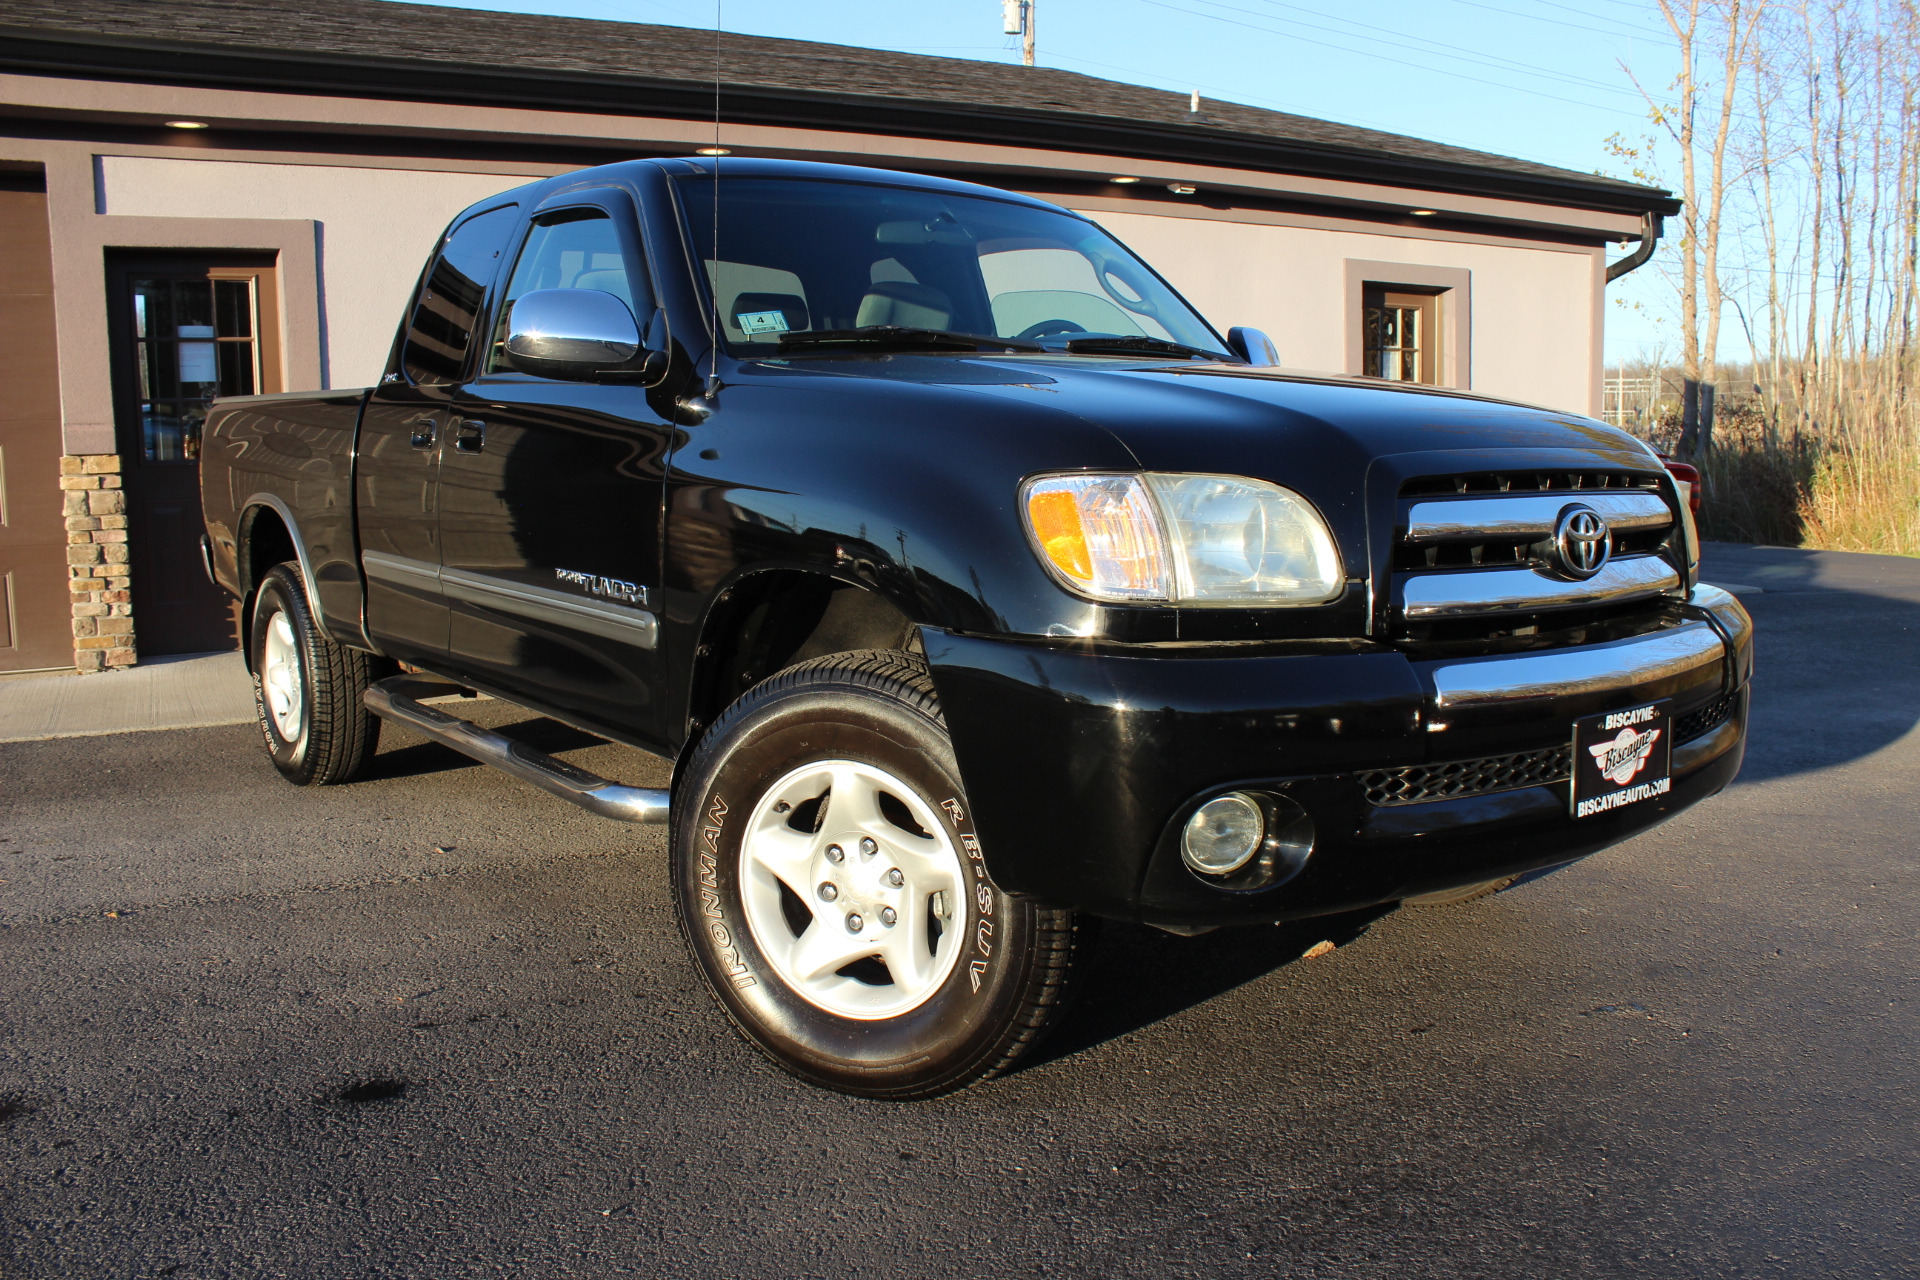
[[1757, 485], [1846, 479], [1865, 496]]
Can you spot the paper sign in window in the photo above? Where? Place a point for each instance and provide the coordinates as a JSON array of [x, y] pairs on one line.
[[197, 361], [752, 322]]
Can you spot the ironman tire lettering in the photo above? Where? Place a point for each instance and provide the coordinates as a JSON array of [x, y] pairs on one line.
[[709, 876]]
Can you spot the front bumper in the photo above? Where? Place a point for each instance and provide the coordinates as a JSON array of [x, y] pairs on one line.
[[1083, 766]]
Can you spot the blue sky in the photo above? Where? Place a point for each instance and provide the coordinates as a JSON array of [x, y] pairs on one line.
[[1540, 79]]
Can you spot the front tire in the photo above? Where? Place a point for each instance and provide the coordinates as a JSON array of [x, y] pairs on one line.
[[831, 888], [307, 689]]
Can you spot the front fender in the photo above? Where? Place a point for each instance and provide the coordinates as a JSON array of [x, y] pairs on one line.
[[908, 490]]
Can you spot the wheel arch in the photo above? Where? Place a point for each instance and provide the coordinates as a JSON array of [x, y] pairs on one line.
[[268, 535], [764, 621]]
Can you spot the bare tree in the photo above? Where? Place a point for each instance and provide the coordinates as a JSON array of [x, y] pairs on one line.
[[1795, 127], [1722, 31]]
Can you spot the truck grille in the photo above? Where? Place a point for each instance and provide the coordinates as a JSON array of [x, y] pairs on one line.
[[1704, 720], [1481, 546], [1420, 783], [1417, 784]]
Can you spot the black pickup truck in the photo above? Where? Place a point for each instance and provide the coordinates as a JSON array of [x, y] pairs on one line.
[[976, 588]]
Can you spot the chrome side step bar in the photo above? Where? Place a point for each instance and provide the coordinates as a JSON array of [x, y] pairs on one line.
[[399, 699]]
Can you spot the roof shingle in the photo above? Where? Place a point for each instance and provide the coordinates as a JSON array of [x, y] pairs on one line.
[[753, 67]]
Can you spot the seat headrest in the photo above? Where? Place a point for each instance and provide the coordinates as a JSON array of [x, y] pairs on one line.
[[613, 281], [900, 302]]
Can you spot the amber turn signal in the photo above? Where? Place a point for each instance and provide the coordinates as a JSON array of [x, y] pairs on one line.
[[1100, 535]]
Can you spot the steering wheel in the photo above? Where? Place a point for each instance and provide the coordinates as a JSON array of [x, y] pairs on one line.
[[1047, 328]]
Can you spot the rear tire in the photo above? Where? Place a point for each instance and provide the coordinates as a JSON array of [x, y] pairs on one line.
[[307, 690], [831, 889]]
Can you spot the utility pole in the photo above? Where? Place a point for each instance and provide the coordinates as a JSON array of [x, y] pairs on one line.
[[1017, 20]]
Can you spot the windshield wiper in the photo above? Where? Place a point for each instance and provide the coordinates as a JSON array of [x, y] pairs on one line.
[[1146, 346], [903, 336]]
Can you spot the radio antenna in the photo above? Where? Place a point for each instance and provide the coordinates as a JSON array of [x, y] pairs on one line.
[[713, 357]]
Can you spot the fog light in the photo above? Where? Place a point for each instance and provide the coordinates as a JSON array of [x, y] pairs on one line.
[[1223, 834], [1247, 841]]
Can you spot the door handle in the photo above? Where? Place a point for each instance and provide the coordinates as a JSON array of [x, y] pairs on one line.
[[470, 436], [423, 433]]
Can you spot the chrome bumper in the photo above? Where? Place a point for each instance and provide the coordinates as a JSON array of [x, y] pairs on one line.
[[1658, 665]]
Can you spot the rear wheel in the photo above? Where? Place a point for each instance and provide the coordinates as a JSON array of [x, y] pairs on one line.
[[307, 689], [832, 891]]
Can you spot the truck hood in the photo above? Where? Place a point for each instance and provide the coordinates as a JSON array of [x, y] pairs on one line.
[[1184, 417], [1176, 416]]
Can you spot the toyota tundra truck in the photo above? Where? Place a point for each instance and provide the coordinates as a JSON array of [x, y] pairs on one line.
[[974, 586]]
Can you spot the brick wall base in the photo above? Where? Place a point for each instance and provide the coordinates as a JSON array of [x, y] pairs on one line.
[[97, 570]]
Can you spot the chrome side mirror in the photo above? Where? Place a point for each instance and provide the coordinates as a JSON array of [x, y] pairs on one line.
[[572, 333], [1252, 346]]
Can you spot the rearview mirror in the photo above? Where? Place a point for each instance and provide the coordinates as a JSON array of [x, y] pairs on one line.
[[1253, 346], [943, 229], [572, 333]]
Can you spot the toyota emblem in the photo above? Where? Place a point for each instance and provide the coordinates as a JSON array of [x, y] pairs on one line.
[[1582, 542]]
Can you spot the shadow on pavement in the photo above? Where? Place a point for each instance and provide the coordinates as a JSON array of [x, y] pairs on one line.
[[418, 759], [1139, 975], [1836, 635]]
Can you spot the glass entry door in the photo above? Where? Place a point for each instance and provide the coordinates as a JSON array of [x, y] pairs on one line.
[[195, 337], [186, 328]]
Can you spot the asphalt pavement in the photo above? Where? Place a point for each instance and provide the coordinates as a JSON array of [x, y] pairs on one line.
[[439, 1024]]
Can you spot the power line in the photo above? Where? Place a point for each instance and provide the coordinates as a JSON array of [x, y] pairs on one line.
[[1381, 57], [1489, 60], [1562, 22]]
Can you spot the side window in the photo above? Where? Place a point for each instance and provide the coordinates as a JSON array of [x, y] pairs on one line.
[[576, 249], [449, 303]]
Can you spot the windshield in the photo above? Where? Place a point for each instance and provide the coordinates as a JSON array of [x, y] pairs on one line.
[[799, 255]]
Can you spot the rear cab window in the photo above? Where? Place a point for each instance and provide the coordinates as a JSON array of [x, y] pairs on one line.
[[448, 306]]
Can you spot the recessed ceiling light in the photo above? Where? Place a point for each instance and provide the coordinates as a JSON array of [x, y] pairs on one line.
[[1122, 178], [713, 151], [1181, 188], [186, 124], [1422, 213]]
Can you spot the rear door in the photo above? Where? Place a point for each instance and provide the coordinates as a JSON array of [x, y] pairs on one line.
[[402, 438], [551, 498]]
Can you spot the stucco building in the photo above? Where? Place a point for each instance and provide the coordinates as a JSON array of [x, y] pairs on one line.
[[220, 197]]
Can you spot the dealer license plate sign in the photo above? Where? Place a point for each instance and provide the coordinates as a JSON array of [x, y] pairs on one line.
[[1621, 758]]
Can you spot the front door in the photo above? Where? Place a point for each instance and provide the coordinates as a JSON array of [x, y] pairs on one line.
[[185, 328], [550, 496], [402, 439]]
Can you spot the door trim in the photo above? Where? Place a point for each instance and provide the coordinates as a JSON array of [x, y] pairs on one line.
[[610, 621]]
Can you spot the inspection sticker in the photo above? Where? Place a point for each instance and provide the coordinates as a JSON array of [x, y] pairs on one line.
[[1621, 758], [763, 322]]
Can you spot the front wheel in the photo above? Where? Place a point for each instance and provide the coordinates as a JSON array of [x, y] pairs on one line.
[[831, 888], [308, 689]]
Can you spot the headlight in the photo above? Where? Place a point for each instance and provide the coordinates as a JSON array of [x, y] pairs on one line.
[[1182, 539]]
